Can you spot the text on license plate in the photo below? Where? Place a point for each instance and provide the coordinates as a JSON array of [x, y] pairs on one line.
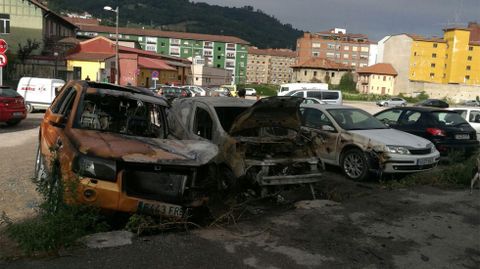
[[17, 114], [158, 208], [462, 136], [425, 161]]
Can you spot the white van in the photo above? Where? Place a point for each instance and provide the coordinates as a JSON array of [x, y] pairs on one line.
[[286, 88], [38, 92], [327, 96]]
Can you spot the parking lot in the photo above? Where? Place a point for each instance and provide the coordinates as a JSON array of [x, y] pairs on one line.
[[352, 225]]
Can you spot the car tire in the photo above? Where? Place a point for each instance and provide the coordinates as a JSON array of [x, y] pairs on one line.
[[13, 122], [385, 104], [354, 164], [29, 108]]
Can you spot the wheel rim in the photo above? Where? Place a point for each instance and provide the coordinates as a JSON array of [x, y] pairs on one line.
[[353, 165], [29, 108]]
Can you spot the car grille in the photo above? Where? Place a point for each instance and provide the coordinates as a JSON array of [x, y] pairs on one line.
[[167, 185], [420, 151], [413, 167]]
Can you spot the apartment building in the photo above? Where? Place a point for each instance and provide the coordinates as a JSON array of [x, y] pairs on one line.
[[336, 45], [451, 59], [319, 70], [225, 52], [377, 79], [270, 66]]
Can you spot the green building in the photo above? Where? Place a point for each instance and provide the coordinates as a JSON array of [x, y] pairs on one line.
[[219, 51]]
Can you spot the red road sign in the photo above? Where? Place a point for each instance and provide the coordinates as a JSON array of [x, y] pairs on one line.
[[3, 46], [3, 60]]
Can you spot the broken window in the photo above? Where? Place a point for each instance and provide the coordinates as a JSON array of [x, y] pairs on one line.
[[203, 125], [227, 115], [118, 114]]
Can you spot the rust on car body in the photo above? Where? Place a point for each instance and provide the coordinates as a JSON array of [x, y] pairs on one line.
[[114, 142], [260, 143]]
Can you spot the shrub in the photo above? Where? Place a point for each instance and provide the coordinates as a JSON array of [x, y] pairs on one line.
[[264, 89]]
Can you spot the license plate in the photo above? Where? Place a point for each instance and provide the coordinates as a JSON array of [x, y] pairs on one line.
[[17, 114], [425, 161], [462, 136], [158, 208]]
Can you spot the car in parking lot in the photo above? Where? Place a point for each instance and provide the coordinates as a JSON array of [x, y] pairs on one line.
[[12, 106], [171, 92], [470, 114], [447, 130], [394, 101], [219, 91], [250, 92], [471, 103], [196, 90], [261, 144], [359, 143], [111, 143], [433, 103], [327, 96]]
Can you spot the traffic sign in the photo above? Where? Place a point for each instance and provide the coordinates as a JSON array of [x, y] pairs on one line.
[[3, 46], [155, 75], [3, 60]]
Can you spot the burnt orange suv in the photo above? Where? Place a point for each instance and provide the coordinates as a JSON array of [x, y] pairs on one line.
[[113, 142]]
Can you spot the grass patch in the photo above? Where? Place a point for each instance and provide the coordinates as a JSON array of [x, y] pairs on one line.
[[57, 224], [349, 96], [456, 174], [264, 89]]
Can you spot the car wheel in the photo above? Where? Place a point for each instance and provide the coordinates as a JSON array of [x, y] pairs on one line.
[[29, 108], [13, 122], [385, 104], [354, 164], [404, 104]]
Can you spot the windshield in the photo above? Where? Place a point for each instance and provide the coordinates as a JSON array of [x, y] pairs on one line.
[[355, 119], [227, 115], [448, 118], [291, 93], [7, 92], [118, 114], [283, 89]]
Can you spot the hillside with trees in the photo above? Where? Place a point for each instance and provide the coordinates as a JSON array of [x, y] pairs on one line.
[[254, 26]]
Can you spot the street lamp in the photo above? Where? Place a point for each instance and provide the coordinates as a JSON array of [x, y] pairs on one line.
[[117, 70]]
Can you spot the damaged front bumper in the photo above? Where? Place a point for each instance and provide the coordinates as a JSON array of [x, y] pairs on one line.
[[398, 163], [284, 171]]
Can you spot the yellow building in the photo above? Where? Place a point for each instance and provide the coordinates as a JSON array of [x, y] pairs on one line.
[[377, 79], [453, 59]]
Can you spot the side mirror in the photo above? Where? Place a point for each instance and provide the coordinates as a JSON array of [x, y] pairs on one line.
[[328, 128], [56, 119]]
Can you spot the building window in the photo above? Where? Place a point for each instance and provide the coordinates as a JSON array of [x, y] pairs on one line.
[[314, 73], [470, 48], [316, 54], [434, 55], [333, 74], [444, 75], [305, 73], [346, 48], [315, 45], [414, 53], [345, 56], [432, 75], [175, 42], [208, 44], [330, 54], [468, 67], [384, 78], [432, 65], [435, 45], [467, 77], [469, 58], [4, 23], [354, 48], [331, 46]]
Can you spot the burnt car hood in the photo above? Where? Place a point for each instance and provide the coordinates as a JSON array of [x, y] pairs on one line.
[[276, 111], [142, 149]]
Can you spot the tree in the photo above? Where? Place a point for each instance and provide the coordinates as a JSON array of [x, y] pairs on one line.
[[24, 51], [347, 83]]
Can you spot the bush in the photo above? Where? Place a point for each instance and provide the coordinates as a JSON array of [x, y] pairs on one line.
[[350, 96]]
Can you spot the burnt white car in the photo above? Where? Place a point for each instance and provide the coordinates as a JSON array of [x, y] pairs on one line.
[[260, 143], [359, 143]]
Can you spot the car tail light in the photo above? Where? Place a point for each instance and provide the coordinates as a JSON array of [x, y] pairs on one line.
[[436, 132]]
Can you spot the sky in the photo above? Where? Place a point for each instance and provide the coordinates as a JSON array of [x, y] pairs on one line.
[[376, 18]]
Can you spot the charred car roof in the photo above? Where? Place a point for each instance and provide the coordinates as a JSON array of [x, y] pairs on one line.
[[124, 92]]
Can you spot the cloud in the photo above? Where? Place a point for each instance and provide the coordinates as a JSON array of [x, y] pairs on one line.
[[375, 18]]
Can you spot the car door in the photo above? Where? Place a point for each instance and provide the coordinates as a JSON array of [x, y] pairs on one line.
[[474, 120], [55, 121], [326, 139], [413, 121]]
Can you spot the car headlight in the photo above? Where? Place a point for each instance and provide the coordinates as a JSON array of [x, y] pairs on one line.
[[398, 150], [94, 167]]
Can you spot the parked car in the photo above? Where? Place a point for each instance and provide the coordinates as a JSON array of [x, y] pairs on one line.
[[112, 141], [38, 93], [310, 100], [171, 92], [447, 130], [284, 89], [328, 96], [250, 92], [12, 106], [261, 144], [394, 101], [220, 91], [359, 143], [471, 103], [472, 115], [196, 90], [232, 88], [433, 103]]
